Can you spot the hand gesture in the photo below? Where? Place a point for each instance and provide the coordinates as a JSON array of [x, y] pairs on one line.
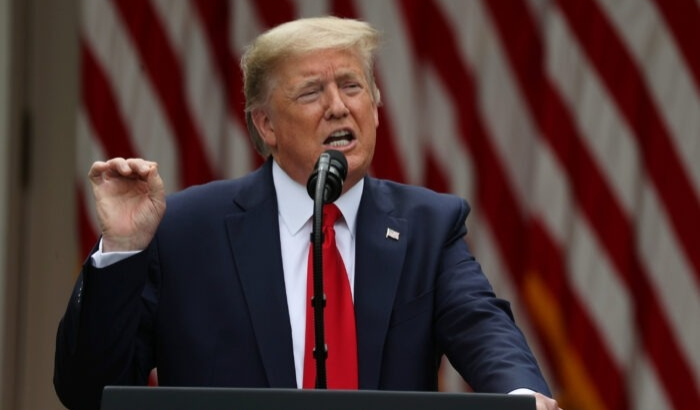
[[130, 202]]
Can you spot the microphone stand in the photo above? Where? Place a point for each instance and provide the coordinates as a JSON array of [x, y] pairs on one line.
[[330, 172], [318, 301]]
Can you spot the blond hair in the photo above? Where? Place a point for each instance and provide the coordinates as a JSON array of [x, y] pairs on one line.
[[295, 38]]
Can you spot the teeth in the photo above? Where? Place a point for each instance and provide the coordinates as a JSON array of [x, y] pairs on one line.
[[339, 143], [339, 138]]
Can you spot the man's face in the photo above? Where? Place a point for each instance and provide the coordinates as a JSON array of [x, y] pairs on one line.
[[320, 101]]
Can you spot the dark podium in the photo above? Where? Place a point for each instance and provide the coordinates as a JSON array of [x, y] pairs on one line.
[[212, 398]]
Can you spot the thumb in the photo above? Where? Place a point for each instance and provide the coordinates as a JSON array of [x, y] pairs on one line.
[[155, 182]]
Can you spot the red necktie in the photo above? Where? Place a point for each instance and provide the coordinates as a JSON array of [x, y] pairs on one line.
[[340, 334]]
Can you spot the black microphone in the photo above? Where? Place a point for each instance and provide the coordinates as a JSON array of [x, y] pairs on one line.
[[332, 166]]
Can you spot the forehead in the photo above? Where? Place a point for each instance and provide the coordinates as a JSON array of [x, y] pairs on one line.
[[320, 64]]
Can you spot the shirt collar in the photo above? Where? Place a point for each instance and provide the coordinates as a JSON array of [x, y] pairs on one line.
[[296, 206]]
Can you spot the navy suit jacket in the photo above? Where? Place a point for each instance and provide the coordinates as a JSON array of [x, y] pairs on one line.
[[205, 303]]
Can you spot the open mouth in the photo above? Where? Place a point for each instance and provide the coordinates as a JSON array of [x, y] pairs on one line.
[[339, 139]]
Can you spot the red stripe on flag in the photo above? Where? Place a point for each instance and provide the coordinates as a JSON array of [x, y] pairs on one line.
[[386, 162], [216, 21], [626, 85], [683, 18], [276, 12], [102, 109], [163, 68], [435, 177]]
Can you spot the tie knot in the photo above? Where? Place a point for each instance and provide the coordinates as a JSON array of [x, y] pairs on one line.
[[331, 213]]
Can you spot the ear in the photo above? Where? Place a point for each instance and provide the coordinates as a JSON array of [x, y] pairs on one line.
[[263, 123], [375, 104], [376, 117]]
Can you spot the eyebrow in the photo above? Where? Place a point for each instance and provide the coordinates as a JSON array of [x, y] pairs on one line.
[[342, 74], [316, 80], [310, 82]]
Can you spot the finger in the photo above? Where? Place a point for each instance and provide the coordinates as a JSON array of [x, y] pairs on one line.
[[140, 167], [132, 167], [97, 168], [120, 168], [155, 182], [100, 170], [119, 165], [149, 169], [545, 402]]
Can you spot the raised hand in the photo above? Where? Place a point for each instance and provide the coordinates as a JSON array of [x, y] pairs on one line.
[[130, 202]]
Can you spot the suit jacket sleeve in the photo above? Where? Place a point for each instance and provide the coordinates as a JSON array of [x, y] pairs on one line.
[[474, 327], [104, 338]]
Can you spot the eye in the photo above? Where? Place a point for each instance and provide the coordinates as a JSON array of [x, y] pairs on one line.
[[308, 94], [352, 87]]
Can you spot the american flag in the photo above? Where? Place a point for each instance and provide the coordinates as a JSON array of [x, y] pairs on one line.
[[571, 126]]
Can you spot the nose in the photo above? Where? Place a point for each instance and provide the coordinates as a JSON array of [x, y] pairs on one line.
[[336, 107]]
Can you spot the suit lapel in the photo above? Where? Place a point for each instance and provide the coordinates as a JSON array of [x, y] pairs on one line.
[[254, 239], [379, 262]]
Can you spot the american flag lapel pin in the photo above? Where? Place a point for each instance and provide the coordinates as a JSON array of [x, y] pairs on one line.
[[392, 234]]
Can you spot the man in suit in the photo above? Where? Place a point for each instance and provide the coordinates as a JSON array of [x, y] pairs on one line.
[[213, 292]]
